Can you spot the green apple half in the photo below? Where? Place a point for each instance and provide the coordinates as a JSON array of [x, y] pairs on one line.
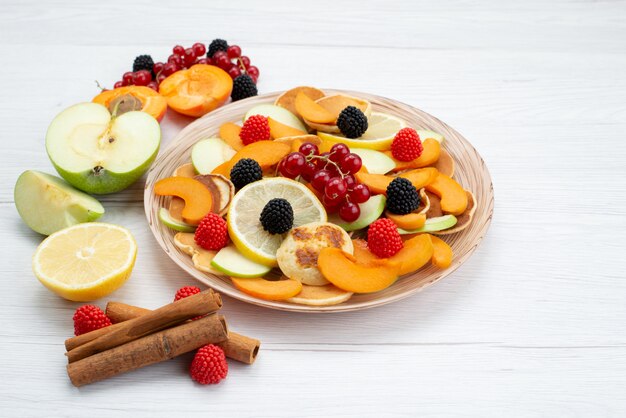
[[433, 225], [230, 261], [277, 113], [48, 204], [370, 211], [166, 218], [100, 153], [209, 153], [374, 161]]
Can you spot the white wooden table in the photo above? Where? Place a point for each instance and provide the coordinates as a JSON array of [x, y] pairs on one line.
[[532, 325]]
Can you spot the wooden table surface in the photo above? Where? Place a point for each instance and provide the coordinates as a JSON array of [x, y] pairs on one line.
[[533, 325]]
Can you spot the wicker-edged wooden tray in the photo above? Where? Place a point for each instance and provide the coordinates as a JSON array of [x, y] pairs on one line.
[[471, 172]]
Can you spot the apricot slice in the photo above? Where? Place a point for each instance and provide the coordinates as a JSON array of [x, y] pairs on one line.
[[414, 255], [453, 197], [344, 271], [378, 183], [229, 132], [409, 221], [430, 155], [442, 253], [151, 102], [287, 100], [198, 199], [309, 110], [280, 130], [197, 90], [268, 289], [266, 153], [362, 252], [463, 220]]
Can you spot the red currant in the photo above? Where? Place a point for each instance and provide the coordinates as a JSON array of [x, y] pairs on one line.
[[127, 78], [209, 61], [350, 181], [233, 51], [153, 85], [245, 61], [175, 59], [351, 163], [320, 179], [349, 212], [118, 84], [254, 79], [332, 206], [283, 170], [360, 193], [169, 69], [336, 188], [253, 72], [199, 49], [160, 78], [157, 67], [179, 50], [338, 152], [309, 148], [202, 61], [321, 162], [308, 171], [142, 78], [294, 163], [234, 71], [190, 57], [221, 60]]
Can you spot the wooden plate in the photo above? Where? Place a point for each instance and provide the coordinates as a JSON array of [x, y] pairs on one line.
[[470, 172]]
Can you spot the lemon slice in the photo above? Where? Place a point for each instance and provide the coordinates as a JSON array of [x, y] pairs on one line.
[[379, 135], [85, 261], [245, 228]]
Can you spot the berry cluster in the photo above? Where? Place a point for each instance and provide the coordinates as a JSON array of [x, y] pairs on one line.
[[229, 59], [331, 174]]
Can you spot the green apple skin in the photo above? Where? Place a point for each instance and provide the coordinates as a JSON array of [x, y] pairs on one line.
[[95, 178], [230, 261], [424, 134], [48, 204], [433, 225], [370, 211], [374, 161], [164, 216], [208, 153], [277, 113]]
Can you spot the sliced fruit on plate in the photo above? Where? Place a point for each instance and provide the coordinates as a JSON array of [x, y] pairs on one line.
[[280, 130], [266, 153], [464, 219], [222, 191], [229, 132], [200, 257], [288, 98], [445, 163], [375, 162], [100, 153], [442, 253], [311, 111], [415, 253], [278, 114], [198, 199], [164, 216], [268, 289], [48, 204], [133, 98], [86, 261], [208, 153], [197, 90], [370, 211], [408, 221], [381, 130], [425, 134], [430, 155], [230, 261], [185, 170], [244, 225], [378, 183], [335, 104], [326, 295], [453, 197], [362, 251], [432, 225]]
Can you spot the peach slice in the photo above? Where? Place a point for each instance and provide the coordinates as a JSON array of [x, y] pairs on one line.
[[197, 90], [344, 271], [151, 102], [416, 252], [463, 220], [442, 253], [309, 110], [378, 183], [198, 199], [453, 197], [362, 252], [280, 130], [268, 289], [266, 153], [409, 221], [229, 132], [430, 155], [287, 100]]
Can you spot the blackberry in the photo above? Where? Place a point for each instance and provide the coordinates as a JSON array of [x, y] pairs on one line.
[[402, 196], [277, 216], [243, 87], [216, 45], [143, 62], [352, 122], [245, 171]]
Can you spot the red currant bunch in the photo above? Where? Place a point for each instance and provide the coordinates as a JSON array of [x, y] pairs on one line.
[[332, 175]]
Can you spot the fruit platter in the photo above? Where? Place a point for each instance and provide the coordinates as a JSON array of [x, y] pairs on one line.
[[318, 200]]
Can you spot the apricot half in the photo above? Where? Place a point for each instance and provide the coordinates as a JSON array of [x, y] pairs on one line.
[[378, 183], [197, 90], [311, 111], [429, 156], [344, 271], [409, 221], [266, 153], [151, 102], [197, 197], [268, 289], [414, 254], [453, 197], [229, 132], [442, 253]]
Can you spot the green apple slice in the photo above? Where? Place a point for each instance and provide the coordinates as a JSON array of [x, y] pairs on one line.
[[374, 161], [433, 225], [98, 153], [277, 113], [230, 261], [370, 211], [166, 218], [209, 153], [424, 134], [48, 204]]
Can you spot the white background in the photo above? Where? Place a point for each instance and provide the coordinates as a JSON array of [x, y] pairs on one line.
[[532, 325]]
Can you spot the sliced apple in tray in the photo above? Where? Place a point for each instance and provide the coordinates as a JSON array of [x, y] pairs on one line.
[[209, 153], [370, 211], [433, 225], [100, 153]]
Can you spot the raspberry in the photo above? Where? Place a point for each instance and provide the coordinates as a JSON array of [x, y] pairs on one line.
[[383, 238], [186, 291], [89, 318], [212, 233], [209, 365], [406, 145], [255, 128]]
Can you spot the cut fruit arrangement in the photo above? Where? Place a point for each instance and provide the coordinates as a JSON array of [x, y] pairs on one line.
[[326, 197]]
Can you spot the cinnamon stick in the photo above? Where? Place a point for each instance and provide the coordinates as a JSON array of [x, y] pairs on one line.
[[164, 317], [153, 348], [237, 347]]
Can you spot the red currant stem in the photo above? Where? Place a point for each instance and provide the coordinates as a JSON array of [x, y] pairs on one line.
[[328, 161], [99, 86], [241, 66]]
